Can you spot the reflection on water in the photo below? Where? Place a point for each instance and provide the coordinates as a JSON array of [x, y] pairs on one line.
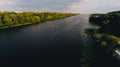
[[96, 56], [47, 44]]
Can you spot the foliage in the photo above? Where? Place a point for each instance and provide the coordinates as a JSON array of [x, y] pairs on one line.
[[13, 19], [109, 22], [106, 37], [109, 30]]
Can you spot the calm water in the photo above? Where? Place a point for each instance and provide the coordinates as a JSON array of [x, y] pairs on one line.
[[53, 43]]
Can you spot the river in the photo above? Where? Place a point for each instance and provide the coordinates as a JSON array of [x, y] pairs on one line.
[[59, 43], [52, 43]]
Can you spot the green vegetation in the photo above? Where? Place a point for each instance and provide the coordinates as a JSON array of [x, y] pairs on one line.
[[110, 22], [105, 32], [15, 19], [108, 33]]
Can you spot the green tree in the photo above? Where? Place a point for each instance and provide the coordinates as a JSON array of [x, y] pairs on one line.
[[8, 21], [1, 22], [50, 17], [35, 19], [14, 18]]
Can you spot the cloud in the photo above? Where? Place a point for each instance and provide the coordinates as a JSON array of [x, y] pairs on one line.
[[33, 5], [95, 6], [3, 2], [81, 6]]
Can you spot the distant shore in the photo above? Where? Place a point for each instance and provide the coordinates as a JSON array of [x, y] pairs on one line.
[[17, 19]]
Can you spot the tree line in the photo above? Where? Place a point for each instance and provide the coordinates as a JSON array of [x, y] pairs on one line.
[[13, 19], [109, 22], [108, 34]]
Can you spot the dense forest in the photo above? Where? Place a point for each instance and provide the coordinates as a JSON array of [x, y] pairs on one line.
[[108, 33], [105, 32], [109, 22], [14, 19]]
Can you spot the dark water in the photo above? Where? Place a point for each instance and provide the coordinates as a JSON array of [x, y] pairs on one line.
[[97, 56], [53, 43]]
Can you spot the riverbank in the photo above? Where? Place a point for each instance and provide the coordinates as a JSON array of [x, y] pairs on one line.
[[13, 19], [108, 34], [53, 42], [106, 37]]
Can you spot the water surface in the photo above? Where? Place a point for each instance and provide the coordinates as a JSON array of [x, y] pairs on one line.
[[53, 43]]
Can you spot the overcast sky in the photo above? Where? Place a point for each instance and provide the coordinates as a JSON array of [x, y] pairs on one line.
[[79, 6]]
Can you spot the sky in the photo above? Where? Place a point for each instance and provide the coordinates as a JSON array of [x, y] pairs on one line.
[[75, 6]]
